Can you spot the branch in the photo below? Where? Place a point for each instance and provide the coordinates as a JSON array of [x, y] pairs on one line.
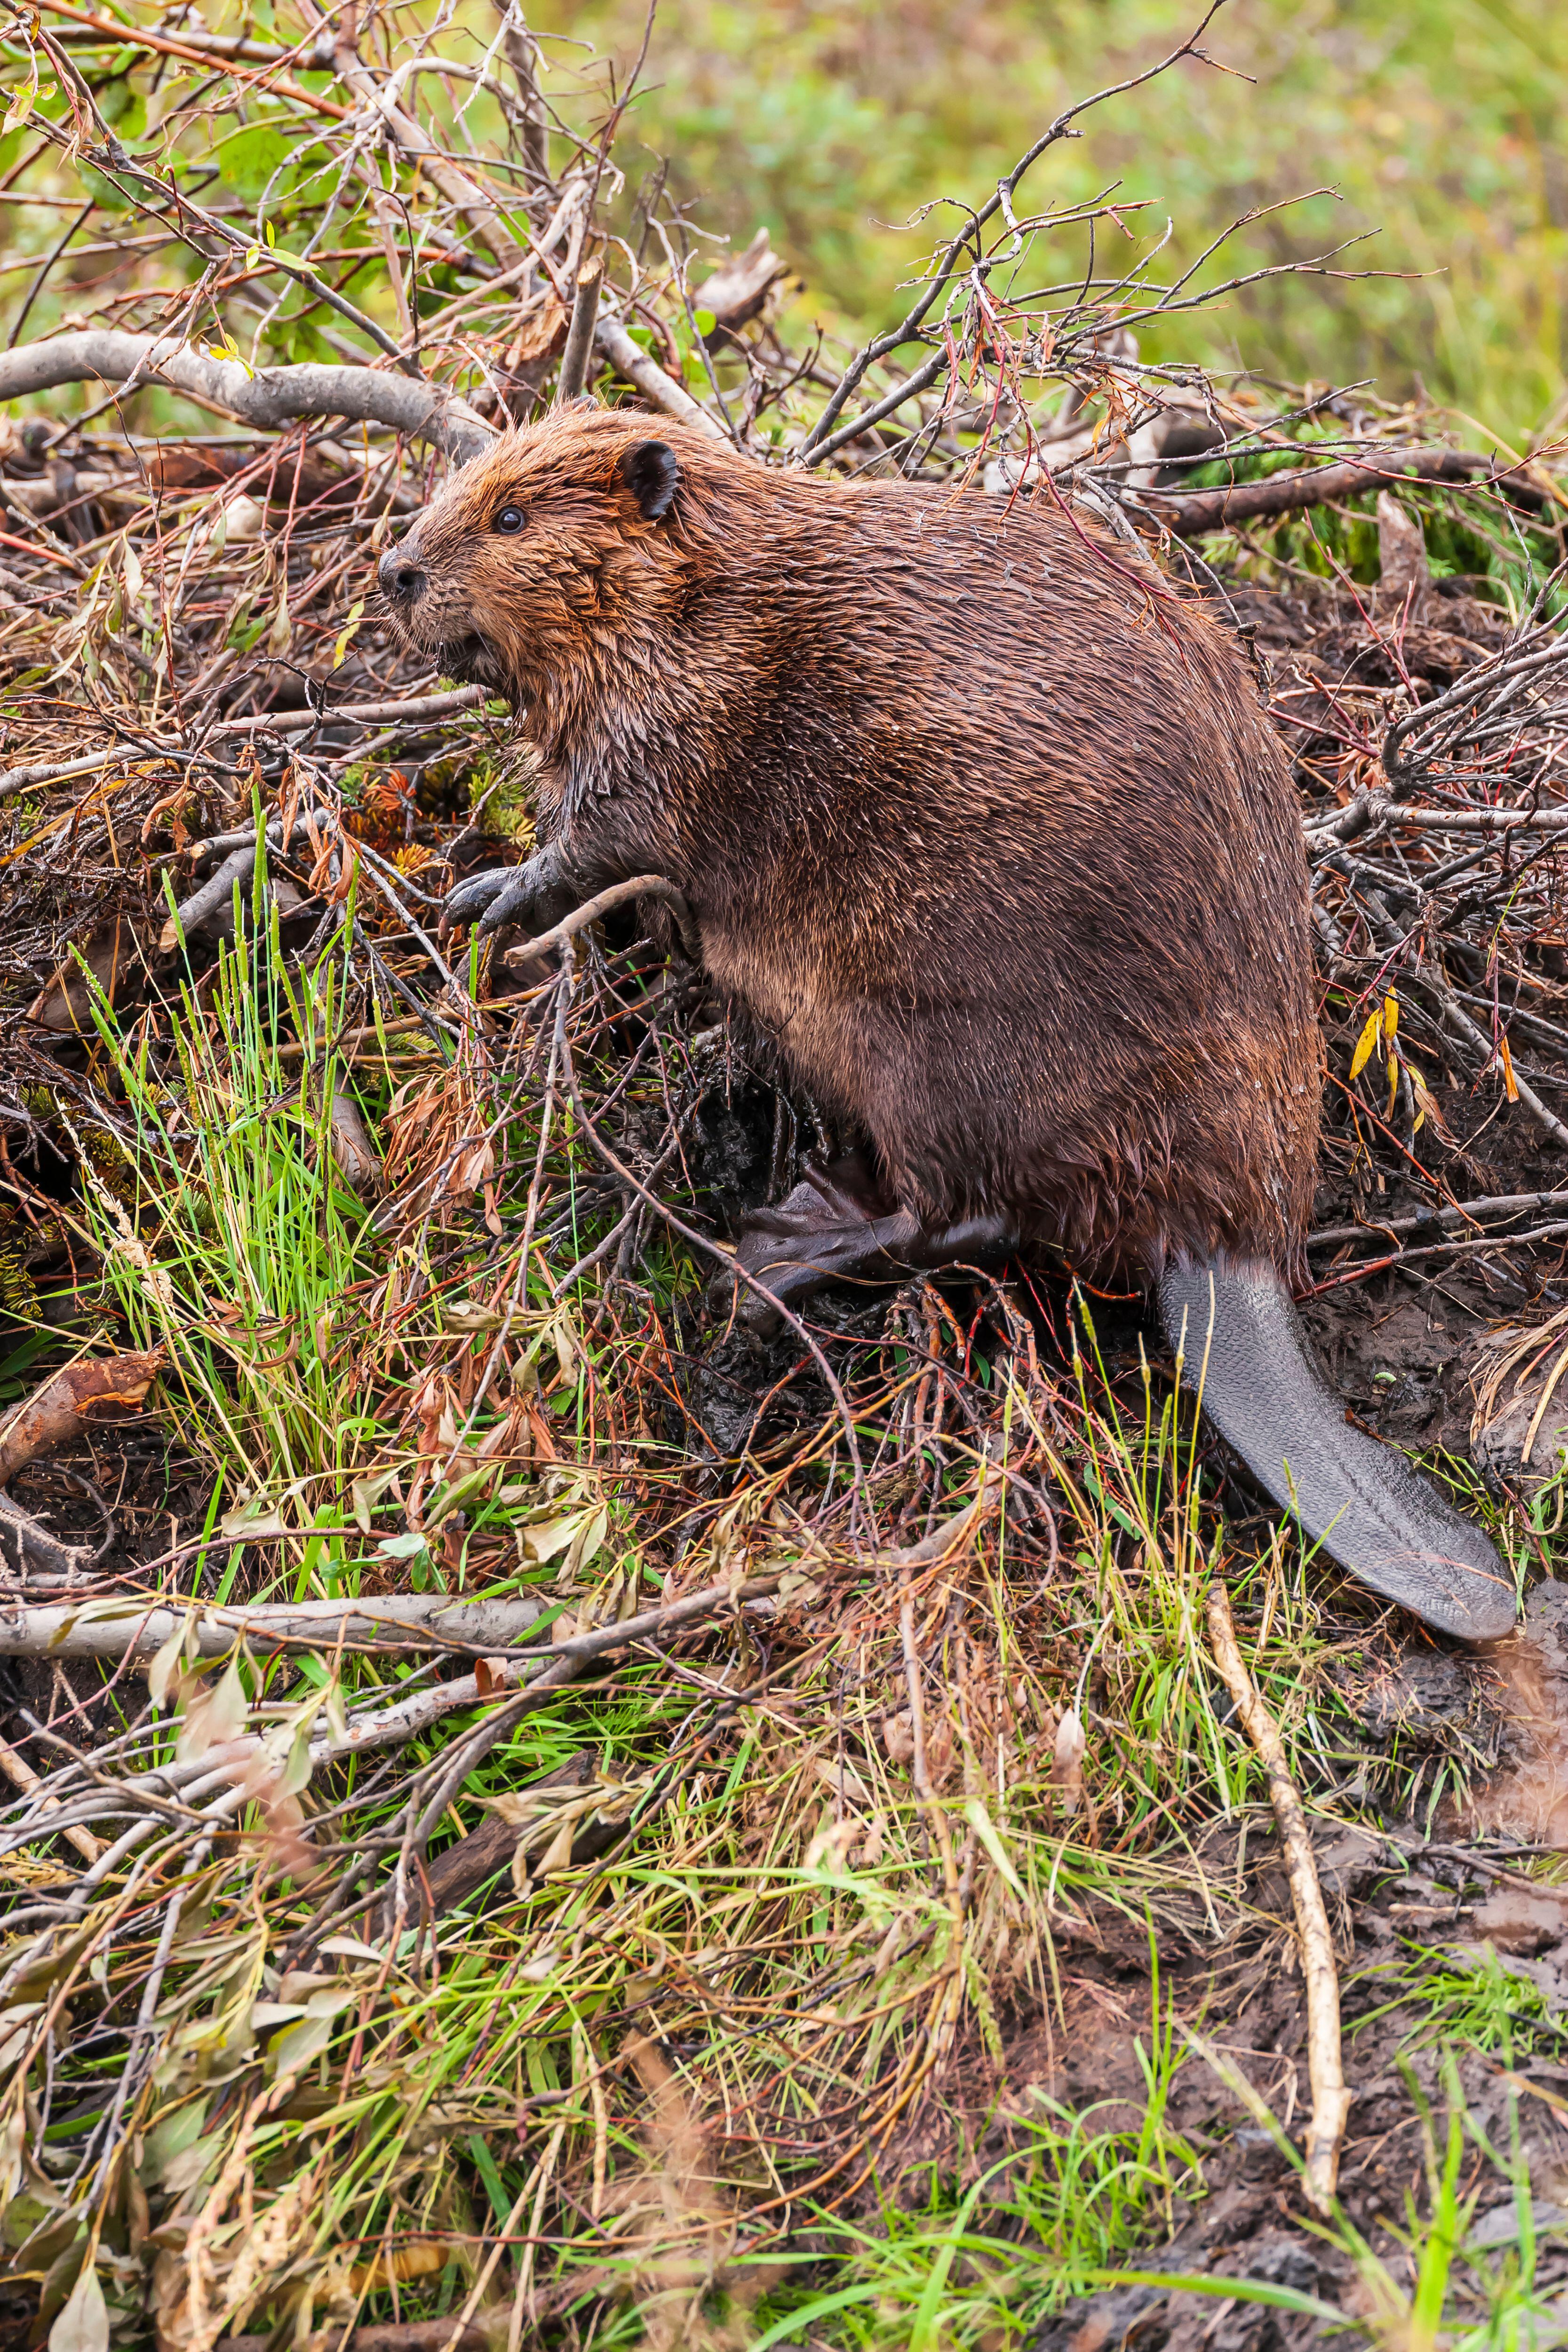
[[1192, 512], [1499, 1205], [122, 1627], [480, 210], [412, 709], [1325, 2061], [267, 398], [21, 1774], [1002, 200], [631, 360]]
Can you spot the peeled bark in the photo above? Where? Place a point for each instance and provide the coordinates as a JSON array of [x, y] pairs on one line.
[[84, 1394]]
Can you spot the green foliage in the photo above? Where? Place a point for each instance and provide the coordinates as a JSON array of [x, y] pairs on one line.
[[1441, 124], [1473, 1998], [228, 1235], [250, 159]]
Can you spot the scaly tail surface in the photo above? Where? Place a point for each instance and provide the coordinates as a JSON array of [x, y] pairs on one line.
[[1238, 1335]]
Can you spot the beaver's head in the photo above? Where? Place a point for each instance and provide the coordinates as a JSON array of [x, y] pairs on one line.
[[538, 559]]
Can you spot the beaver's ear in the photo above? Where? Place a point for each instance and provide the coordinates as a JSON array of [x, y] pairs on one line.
[[652, 474]]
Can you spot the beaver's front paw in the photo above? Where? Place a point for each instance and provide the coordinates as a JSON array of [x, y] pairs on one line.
[[509, 897]]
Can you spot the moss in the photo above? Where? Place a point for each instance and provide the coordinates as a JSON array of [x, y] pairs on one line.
[[111, 1164], [502, 800], [18, 1291]]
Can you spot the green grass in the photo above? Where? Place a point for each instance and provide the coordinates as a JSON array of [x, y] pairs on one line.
[[637, 2062]]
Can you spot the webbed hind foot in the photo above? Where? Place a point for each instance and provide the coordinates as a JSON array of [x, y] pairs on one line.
[[840, 1224]]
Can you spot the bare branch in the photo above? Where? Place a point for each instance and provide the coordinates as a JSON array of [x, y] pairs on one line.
[[268, 397]]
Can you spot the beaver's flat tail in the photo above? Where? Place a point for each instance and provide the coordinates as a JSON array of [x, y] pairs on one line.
[[1241, 1344]]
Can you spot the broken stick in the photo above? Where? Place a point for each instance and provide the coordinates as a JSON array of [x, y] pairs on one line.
[[1325, 2061]]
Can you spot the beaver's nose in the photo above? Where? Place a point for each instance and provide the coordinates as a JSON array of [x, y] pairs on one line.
[[401, 577]]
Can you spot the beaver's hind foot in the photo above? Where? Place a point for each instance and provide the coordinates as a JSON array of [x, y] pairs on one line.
[[840, 1225]]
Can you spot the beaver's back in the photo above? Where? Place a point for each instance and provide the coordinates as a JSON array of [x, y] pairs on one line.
[[1004, 854]]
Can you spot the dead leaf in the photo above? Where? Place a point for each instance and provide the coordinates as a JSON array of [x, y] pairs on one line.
[[899, 1737], [82, 2325], [1066, 1774]]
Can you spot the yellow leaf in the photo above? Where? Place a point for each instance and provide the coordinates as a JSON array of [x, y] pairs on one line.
[[1391, 1018], [411, 2258], [1393, 1081], [1364, 1043], [346, 638], [1423, 1097], [1510, 1084]]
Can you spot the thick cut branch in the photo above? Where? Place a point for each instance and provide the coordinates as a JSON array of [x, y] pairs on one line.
[[268, 398], [72, 1401], [579, 350]]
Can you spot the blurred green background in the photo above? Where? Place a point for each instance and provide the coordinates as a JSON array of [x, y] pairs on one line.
[[1442, 125]]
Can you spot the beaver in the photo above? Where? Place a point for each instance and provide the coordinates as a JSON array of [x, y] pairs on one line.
[[980, 821]]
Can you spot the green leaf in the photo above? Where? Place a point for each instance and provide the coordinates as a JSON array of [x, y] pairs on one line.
[[489, 2173], [408, 1546], [249, 160]]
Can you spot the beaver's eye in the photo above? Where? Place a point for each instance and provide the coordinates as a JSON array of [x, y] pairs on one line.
[[510, 518]]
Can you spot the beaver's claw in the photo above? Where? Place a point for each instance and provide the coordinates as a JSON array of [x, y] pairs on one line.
[[507, 896]]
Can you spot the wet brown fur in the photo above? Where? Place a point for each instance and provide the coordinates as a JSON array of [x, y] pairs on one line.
[[981, 824]]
